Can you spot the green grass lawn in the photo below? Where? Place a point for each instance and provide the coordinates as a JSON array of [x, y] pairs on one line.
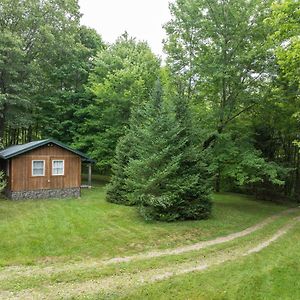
[[273, 274], [33, 231], [63, 234]]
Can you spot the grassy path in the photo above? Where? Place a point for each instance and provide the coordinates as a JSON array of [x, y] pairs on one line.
[[15, 271], [71, 230], [189, 259]]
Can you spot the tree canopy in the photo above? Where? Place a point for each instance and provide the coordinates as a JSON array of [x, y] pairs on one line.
[[228, 117], [45, 60], [123, 77]]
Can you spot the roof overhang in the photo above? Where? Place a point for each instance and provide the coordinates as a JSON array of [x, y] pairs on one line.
[[16, 150]]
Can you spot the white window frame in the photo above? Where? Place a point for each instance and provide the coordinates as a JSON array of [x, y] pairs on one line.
[[63, 166], [44, 167]]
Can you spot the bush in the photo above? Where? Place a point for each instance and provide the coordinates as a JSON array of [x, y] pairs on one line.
[[2, 181]]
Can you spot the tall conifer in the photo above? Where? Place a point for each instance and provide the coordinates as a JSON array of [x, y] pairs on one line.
[[117, 191], [167, 178]]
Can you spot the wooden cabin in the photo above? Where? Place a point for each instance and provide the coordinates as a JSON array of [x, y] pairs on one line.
[[43, 169]]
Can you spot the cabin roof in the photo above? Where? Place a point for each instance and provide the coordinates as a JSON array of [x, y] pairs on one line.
[[15, 150]]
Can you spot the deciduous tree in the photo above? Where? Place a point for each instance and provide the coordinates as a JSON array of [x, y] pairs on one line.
[[123, 78]]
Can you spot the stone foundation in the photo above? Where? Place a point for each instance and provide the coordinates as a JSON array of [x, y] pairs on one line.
[[44, 194]]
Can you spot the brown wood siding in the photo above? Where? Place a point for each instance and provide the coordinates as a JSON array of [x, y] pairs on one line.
[[21, 170]]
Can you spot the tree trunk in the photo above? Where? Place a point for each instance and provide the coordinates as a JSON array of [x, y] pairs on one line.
[[297, 177], [29, 134], [2, 122], [218, 181]]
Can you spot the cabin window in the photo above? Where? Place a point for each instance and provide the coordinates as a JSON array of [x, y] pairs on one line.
[[38, 168], [58, 167]]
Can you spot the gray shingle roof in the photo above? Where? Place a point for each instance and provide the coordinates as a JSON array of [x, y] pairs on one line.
[[15, 150]]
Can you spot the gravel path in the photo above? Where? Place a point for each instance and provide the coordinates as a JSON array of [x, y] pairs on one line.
[[114, 283]]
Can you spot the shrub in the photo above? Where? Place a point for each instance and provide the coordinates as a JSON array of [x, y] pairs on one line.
[[2, 181]]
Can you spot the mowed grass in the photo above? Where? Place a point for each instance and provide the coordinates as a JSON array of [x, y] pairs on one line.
[[35, 231], [272, 274]]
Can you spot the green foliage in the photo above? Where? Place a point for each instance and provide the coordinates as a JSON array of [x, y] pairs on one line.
[[122, 78], [280, 114], [217, 55], [168, 178], [60, 119], [235, 156], [45, 58], [236, 63], [117, 191], [297, 143], [221, 56], [13, 88], [2, 181], [285, 20]]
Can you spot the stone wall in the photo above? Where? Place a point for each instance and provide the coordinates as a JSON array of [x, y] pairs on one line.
[[44, 194]]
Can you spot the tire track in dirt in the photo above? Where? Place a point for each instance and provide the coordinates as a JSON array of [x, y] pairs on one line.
[[15, 271], [113, 283]]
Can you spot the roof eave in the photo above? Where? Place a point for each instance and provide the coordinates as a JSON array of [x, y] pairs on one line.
[[84, 157]]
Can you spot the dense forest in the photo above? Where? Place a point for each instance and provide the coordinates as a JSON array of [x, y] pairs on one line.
[[222, 112]]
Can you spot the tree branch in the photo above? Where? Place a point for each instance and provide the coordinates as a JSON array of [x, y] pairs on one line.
[[209, 141]]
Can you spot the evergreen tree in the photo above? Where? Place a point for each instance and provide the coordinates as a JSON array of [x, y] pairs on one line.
[[167, 178], [117, 190]]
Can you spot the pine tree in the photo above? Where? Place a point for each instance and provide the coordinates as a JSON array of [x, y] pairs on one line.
[[117, 191], [167, 178]]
